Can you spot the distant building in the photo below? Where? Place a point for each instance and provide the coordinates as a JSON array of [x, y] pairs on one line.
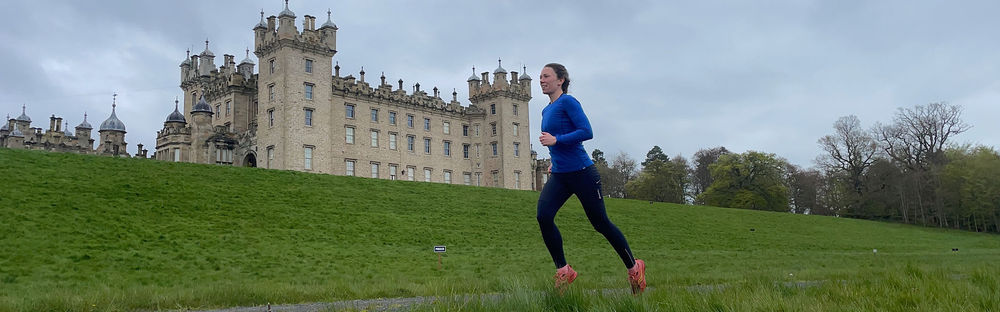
[[294, 115], [17, 133]]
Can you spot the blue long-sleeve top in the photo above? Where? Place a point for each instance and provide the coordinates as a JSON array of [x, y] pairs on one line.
[[564, 119]]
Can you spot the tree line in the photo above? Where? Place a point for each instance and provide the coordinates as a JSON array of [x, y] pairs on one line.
[[908, 170]]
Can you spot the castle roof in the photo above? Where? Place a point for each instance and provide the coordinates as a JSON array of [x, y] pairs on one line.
[[207, 52], [263, 23], [23, 117], [524, 74], [176, 116], [499, 69], [202, 106], [84, 124], [247, 60], [473, 77], [286, 11], [67, 130], [187, 60], [329, 21], [113, 123]]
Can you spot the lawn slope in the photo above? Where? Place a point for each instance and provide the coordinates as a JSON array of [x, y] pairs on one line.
[[98, 233]]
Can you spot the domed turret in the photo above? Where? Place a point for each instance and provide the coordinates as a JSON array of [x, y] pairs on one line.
[[202, 106], [24, 116], [84, 124], [176, 116], [113, 123]]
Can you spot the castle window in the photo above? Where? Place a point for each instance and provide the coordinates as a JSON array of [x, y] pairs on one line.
[[309, 117], [309, 66], [349, 111], [218, 111], [270, 156], [271, 65], [447, 148], [493, 109], [477, 129], [496, 178], [374, 138], [409, 172], [375, 170], [270, 92], [349, 135], [517, 179], [177, 154], [447, 127], [427, 124], [409, 121], [447, 176], [374, 115], [517, 149], [409, 142], [467, 178], [309, 91], [427, 145], [465, 130], [427, 174], [479, 179], [392, 141], [229, 105], [494, 146], [465, 151], [392, 118], [349, 167], [270, 117], [308, 157], [493, 127], [515, 109], [392, 171], [515, 128]]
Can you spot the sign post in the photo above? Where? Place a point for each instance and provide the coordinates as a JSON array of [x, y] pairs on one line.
[[439, 250]]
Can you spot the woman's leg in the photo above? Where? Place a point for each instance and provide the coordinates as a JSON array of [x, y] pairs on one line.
[[587, 187], [553, 195]]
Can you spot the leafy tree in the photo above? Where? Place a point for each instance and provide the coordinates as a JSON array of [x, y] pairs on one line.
[[752, 180], [655, 154], [850, 150], [701, 176], [598, 158], [661, 179]]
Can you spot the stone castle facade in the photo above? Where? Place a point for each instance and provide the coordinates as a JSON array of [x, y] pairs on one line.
[[293, 115], [17, 133]]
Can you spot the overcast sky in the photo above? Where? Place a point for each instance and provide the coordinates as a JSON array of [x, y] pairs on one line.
[[769, 76]]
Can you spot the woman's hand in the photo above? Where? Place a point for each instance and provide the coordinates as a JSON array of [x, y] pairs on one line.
[[547, 139]]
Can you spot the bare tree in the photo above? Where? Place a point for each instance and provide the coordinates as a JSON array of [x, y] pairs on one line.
[[623, 169], [917, 136], [916, 140], [850, 150]]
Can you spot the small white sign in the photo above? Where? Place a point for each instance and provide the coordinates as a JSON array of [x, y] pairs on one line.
[[439, 248]]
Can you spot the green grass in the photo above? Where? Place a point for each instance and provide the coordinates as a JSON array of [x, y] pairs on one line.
[[85, 233]]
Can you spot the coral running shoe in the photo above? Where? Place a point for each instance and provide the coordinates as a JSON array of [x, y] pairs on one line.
[[637, 277], [564, 276]]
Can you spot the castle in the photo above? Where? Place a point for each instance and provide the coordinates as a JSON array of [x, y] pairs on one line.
[[293, 115], [17, 133]]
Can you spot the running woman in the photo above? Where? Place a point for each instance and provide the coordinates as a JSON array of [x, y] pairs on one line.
[[564, 128]]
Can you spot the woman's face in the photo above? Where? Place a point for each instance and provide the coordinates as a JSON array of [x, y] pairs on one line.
[[550, 84]]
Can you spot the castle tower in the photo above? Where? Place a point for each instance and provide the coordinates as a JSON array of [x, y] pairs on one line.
[[23, 122], [506, 143], [293, 85], [15, 139], [83, 134], [201, 130], [112, 134], [207, 64]]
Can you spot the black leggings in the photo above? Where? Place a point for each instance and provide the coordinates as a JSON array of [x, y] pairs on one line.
[[586, 185]]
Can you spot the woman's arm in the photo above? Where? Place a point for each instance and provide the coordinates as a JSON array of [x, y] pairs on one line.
[[582, 131]]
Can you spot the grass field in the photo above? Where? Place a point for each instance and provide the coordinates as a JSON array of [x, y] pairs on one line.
[[85, 233]]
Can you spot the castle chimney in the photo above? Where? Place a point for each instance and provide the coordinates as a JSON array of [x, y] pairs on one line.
[[401, 85], [336, 70], [383, 79], [362, 74], [59, 124], [52, 123], [436, 94]]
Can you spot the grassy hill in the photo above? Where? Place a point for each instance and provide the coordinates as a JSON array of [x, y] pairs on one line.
[[88, 233]]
